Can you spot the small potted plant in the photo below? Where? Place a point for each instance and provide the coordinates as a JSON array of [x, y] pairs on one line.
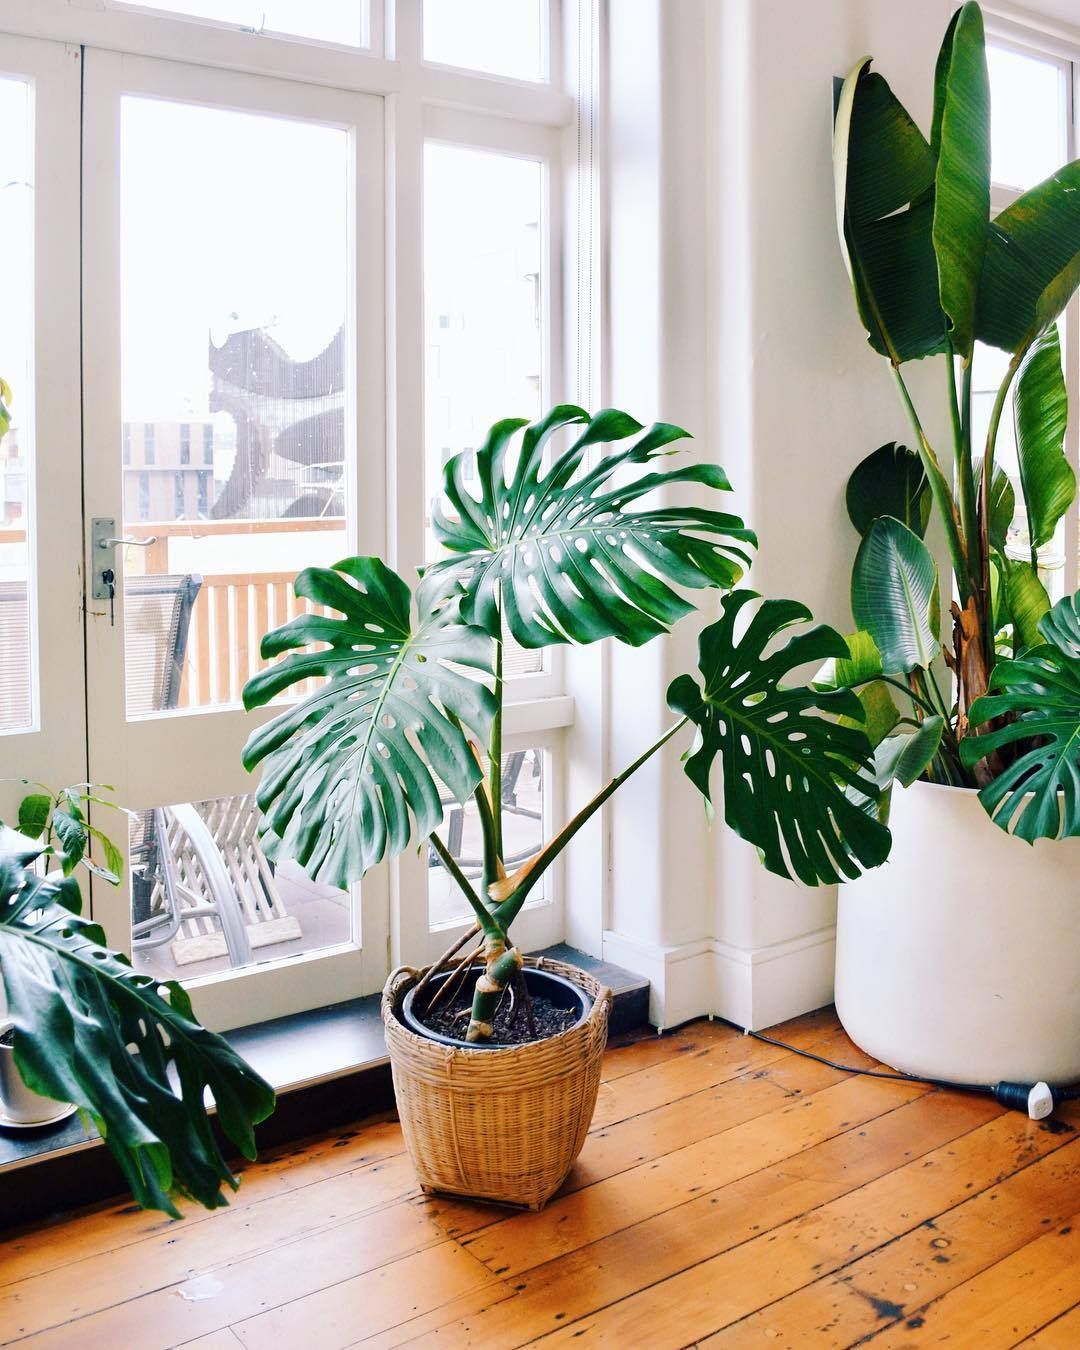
[[85, 1030], [958, 959], [556, 548]]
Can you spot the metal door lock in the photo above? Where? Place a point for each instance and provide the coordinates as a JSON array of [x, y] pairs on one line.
[[103, 544]]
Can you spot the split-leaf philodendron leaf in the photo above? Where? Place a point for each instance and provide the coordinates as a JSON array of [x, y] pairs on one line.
[[347, 771], [786, 760], [562, 547], [1037, 795], [80, 1011]]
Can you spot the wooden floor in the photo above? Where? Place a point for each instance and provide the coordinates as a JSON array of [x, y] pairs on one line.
[[730, 1194]]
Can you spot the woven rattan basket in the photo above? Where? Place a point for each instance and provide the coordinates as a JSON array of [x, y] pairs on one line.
[[501, 1125]]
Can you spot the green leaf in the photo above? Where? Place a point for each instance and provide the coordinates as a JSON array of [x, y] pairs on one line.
[[890, 482], [1040, 412], [894, 596], [114, 859], [80, 1012], [71, 833], [570, 560], [1037, 794], [879, 712], [884, 175], [1002, 506], [787, 763], [349, 769], [1027, 602], [34, 814], [905, 757], [961, 144], [1061, 627], [1032, 264]]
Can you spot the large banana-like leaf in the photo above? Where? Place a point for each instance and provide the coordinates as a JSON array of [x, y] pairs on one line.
[[859, 670], [884, 173], [90, 1030], [894, 596], [787, 763], [1037, 795], [569, 559], [350, 768], [1032, 264], [1040, 412], [890, 481], [1026, 601], [960, 142]]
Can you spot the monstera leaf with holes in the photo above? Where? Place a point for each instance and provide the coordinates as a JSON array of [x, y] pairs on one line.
[[563, 548], [90, 1030], [1035, 702], [793, 774], [350, 774]]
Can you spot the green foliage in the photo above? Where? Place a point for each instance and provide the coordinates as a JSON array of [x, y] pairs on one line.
[[961, 145], [1034, 705], [1026, 602], [894, 596], [889, 482], [1041, 412], [348, 770], [560, 552], [59, 821], [88, 1029], [788, 764]]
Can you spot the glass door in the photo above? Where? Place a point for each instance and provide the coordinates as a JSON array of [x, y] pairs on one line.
[[234, 434], [42, 714]]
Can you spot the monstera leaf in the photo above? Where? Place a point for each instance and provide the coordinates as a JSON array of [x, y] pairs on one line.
[[88, 1029], [1037, 795], [348, 770], [889, 482], [894, 596], [571, 560], [787, 764]]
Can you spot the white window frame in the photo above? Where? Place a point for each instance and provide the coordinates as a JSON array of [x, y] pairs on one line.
[[533, 118], [1051, 44]]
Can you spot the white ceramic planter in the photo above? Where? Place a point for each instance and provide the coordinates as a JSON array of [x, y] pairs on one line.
[[16, 1099], [960, 958]]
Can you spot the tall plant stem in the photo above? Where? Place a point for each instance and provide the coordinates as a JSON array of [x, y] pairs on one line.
[[484, 917], [495, 749], [960, 409], [939, 488], [531, 873], [984, 506]]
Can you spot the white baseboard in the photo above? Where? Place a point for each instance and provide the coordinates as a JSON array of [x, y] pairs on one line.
[[753, 988]]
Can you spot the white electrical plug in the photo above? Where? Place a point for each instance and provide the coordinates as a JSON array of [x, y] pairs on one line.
[[1040, 1101]]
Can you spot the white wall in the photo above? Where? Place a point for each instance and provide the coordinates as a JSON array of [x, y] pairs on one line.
[[730, 312]]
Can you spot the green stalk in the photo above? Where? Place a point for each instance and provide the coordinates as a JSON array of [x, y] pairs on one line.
[[495, 749], [940, 490], [484, 917], [984, 503], [509, 909], [965, 473]]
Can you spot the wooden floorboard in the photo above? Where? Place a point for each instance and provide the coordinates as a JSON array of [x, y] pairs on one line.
[[731, 1193]]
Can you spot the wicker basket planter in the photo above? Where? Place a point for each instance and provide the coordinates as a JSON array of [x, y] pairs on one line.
[[503, 1125]]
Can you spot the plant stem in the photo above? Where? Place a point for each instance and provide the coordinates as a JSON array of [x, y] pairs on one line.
[[484, 917], [904, 689], [495, 750], [940, 490], [506, 912], [965, 475], [986, 615]]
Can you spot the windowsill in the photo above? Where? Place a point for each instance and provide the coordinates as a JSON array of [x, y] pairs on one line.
[[306, 1049]]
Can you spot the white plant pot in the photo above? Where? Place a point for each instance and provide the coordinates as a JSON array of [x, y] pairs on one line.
[[16, 1099], [960, 957]]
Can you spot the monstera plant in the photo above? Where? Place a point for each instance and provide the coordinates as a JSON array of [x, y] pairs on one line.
[[935, 275], [123, 1046], [559, 543]]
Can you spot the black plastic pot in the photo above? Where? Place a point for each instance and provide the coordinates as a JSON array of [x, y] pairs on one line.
[[561, 992]]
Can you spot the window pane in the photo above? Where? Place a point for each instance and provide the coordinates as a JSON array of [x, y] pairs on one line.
[[204, 898], [342, 21], [524, 830], [1028, 124], [17, 370], [501, 37], [234, 445]]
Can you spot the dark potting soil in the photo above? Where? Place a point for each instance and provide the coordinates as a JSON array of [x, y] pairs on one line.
[[8, 1038], [511, 1026]]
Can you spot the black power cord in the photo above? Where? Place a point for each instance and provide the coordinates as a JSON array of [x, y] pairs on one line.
[[1036, 1100]]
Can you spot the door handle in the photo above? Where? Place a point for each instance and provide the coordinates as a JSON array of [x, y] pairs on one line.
[[103, 543]]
